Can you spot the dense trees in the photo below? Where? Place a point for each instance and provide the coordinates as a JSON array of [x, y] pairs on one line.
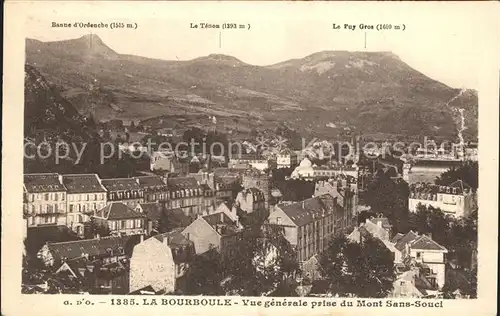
[[360, 270], [468, 173], [262, 262], [389, 197], [458, 235]]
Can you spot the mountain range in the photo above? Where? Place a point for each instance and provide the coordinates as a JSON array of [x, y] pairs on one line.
[[329, 93]]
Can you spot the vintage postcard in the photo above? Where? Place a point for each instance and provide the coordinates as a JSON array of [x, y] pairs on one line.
[[253, 158]]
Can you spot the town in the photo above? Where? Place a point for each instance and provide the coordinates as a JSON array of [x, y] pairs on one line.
[[266, 222]]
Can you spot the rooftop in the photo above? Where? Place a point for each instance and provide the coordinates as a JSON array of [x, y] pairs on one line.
[[149, 181], [117, 211], [82, 183], [221, 223], [180, 183], [92, 247], [304, 212], [43, 182], [118, 184]]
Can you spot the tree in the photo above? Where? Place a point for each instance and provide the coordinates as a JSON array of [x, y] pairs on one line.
[[358, 269], [94, 228], [467, 172], [264, 262], [205, 275], [389, 197], [458, 235]]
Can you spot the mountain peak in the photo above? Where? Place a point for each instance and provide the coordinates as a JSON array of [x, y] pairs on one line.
[[220, 58], [89, 45]]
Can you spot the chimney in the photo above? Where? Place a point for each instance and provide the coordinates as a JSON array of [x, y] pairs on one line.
[[222, 217], [141, 237], [187, 236], [379, 223]]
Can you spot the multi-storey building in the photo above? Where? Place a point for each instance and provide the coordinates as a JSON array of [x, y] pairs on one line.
[[342, 187], [214, 231], [308, 225], [125, 190], [254, 178], [457, 199], [161, 262], [306, 170], [122, 220], [187, 194], [253, 160], [154, 188], [287, 159], [424, 251], [85, 195], [44, 199]]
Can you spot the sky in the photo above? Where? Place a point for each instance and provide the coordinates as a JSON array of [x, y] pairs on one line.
[[440, 42]]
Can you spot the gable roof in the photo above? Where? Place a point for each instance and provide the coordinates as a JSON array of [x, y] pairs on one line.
[[221, 220], [117, 211], [397, 237], [181, 247], [82, 183], [92, 247], [118, 184], [408, 237], [302, 213], [43, 182], [426, 243]]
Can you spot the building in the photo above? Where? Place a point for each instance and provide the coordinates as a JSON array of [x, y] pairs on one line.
[[378, 227], [255, 178], [457, 199], [154, 188], [309, 224], [122, 220], [85, 195], [44, 199], [152, 212], [253, 160], [104, 250], [342, 187], [125, 190], [214, 231], [427, 170], [250, 201], [413, 284], [306, 170], [287, 159], [161, 262], [187, 194], [421, 250], [250, 207], [162, 161], [225, 187]]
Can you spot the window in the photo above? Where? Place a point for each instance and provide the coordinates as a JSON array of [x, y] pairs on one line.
[[46, 196], [56, 197], [278, 220], [419, 255]]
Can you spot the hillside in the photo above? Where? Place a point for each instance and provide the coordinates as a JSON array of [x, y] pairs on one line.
[[328, 93]]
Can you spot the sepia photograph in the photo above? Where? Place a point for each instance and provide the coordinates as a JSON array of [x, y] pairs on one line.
[[201, 159]]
